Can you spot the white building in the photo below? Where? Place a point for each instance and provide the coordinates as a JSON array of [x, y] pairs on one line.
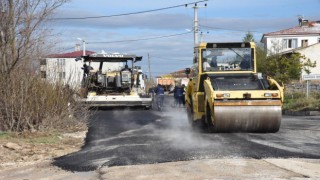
[[304, 39], [65, 69], [305, 34]]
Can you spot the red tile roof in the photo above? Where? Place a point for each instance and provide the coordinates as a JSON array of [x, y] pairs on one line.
[[73, 54], [312, 28]]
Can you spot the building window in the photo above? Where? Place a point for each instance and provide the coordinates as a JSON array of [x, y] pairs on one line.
[[289, 43], [62, 75], [304, 43], [43, 62], [61, 62], [43, 74]]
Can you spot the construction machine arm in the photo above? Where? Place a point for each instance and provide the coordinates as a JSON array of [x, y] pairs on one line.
[[274, 83], [209, 93]]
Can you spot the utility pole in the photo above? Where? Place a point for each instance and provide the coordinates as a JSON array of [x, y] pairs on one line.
[[196, 22], [196, 25], [149, 67], [83, 46]]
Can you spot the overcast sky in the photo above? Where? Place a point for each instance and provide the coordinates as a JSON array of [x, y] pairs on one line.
[[220, 21]]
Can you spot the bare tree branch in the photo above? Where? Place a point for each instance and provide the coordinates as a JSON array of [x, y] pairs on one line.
[[21, 32]]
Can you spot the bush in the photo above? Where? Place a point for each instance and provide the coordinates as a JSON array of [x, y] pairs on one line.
[[297, 101], [28, 103]]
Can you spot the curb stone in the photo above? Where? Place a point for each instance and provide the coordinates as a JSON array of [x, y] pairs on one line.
[[301, 113]]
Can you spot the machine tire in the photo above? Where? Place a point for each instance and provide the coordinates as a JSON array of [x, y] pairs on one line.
[[147, 108], [189, 109], [189, 113], [208, 119], [198, 125]]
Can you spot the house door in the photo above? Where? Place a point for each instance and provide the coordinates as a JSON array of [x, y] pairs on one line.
[[304, 43]]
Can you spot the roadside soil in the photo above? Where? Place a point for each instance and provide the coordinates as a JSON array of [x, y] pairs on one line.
[[30, 148]]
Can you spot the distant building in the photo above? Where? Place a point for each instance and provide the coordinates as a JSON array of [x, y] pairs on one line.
[[305, 34], [172, 79], [65, 69]]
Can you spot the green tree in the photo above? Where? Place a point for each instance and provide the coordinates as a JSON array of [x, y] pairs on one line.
[[307, 64], [285, 68], [260, 58], [248, 37]]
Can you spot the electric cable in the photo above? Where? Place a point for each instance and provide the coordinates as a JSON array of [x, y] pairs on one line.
[[209, 27], [126, 14], [164, 58], [142, 39]]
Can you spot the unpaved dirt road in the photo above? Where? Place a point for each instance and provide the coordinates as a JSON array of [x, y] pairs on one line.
[[139, 144]]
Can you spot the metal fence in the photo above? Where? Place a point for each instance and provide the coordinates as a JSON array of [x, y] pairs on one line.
[[302, 87]]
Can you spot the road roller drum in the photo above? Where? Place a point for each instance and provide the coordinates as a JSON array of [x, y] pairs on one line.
[[247, 118]]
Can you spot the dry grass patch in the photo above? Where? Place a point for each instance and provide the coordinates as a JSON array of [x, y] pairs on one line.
[[18, 149]]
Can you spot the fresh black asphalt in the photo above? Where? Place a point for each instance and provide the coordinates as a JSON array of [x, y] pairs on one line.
[[118, 137]]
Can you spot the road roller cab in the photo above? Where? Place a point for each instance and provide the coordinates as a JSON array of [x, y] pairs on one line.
[[226, 94]]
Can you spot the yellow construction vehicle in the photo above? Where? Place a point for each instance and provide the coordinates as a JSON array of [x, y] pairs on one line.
[[226, 94]]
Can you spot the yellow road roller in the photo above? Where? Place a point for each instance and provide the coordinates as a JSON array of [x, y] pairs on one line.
[[227, 94]]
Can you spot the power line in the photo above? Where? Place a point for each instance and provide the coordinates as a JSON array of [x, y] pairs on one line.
[[142, 39], [126, 14], [64, 50], [164, 58], [209, 27]]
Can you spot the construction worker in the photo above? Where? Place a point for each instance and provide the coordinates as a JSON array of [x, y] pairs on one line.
[[245, 63], [86, 70], [151, 91], [183, 98], [178, 94], [160, 96], [175, 96]]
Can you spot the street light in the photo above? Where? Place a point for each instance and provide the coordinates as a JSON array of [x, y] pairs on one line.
[[84, 46]]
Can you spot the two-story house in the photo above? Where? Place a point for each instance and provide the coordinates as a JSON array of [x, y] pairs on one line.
[[303, 38]]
